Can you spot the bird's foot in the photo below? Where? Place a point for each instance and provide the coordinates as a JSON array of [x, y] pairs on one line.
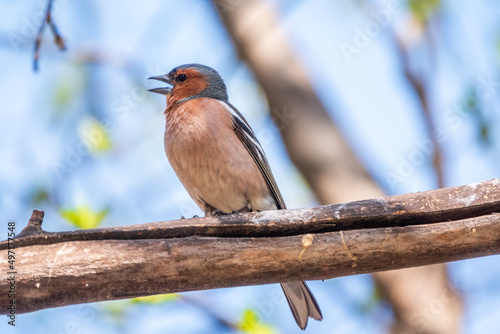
[[219, 213], [195, 216]]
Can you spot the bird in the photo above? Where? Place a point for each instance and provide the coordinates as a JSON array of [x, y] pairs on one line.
[[218, 159]]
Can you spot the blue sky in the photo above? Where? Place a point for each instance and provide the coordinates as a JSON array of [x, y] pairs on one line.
[[44, 117]]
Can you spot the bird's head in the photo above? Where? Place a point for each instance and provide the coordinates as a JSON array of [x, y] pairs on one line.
[[191, 81]]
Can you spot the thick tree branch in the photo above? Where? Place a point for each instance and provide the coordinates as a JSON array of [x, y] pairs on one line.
[[56, 269]]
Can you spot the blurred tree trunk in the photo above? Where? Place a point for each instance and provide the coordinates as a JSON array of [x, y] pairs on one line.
[[422, 298]]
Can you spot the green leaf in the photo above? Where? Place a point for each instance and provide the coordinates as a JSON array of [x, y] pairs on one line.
[[95, 136], [84, 217], [117, 308], [39, 196], [63, 95], [250, 324], [471, 103], [68, 87], [485, 133], [155, 299], [372, 301], [424, 9]]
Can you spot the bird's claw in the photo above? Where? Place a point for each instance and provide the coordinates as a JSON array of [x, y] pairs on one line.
[[195, 216], [219, 213]]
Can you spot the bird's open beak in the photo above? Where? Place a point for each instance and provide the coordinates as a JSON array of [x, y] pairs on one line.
[[162, 90]]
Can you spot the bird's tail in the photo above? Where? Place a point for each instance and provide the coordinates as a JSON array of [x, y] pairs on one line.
[[301, 302]]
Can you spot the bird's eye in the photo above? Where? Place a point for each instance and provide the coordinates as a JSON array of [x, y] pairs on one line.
[[182, 77]]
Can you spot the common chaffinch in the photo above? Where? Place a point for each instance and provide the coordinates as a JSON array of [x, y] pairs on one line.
[[218, 159]]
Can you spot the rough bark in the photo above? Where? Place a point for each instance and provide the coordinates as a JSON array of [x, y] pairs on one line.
[[63, 268]]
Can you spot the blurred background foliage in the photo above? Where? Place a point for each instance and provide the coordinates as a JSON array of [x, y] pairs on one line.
[[412, 85]]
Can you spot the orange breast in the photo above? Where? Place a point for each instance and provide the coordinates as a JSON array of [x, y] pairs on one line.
[[208, 157]]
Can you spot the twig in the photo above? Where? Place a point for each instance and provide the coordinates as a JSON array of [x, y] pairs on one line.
[[419, 86], [34, 226], [58, 40]]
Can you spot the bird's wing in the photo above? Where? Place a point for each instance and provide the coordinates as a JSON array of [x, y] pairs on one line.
[[247, 137]]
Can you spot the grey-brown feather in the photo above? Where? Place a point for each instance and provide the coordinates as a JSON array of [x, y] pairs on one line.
[[244, 133]]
